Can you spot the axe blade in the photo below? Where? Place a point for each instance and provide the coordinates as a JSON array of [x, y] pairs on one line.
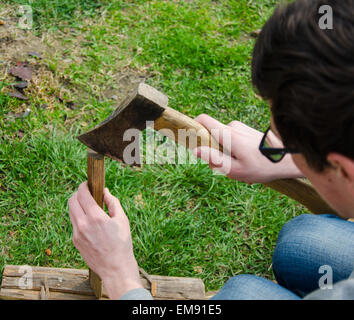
[[144, 104]]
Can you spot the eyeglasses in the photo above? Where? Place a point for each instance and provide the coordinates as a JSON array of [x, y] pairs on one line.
[[267, 147]]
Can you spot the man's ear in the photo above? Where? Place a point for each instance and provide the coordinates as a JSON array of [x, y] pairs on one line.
[[343, 165]]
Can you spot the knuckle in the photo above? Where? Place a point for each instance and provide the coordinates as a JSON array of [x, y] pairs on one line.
[[125, 219], [81, 229], [234, 123], [96, 220], [202, 117]]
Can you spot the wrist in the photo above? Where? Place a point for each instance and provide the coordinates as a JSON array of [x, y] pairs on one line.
[[287, 169], [119, 282], [118, 286]]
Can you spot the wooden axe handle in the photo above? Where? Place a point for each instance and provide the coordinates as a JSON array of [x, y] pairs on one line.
[[297, 189], [96, 180], [173, 120]]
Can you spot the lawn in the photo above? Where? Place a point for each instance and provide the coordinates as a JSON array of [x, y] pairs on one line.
[[185, 220]]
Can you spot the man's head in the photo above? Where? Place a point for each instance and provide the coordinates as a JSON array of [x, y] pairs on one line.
[[308, 75]]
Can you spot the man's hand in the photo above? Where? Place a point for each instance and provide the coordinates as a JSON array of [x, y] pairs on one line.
[[244, 162], [104, 241]]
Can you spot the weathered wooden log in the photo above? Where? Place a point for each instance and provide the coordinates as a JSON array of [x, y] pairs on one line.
[[36, 283]]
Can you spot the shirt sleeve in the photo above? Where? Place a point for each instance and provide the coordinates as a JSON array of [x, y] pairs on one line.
[[343, 290], [137, 294]]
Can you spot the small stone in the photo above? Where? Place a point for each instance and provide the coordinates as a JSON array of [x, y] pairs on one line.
[[114, 97], [35, 54], [26, 113]]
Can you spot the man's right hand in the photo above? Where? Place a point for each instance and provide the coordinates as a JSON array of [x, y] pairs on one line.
[[245, 162]]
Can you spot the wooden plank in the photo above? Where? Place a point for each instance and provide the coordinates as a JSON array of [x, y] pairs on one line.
[[210, 294], [20, 294], [70, 283]]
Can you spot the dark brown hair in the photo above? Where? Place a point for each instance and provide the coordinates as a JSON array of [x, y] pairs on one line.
[[308, 75]]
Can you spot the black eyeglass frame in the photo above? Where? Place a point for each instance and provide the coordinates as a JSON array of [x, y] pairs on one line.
[[269, 152]]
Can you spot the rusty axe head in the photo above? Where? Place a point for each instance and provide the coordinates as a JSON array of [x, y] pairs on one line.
[[145, 104]]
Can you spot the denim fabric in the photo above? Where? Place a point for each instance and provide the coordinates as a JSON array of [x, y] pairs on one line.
[[250, 287], [304, 245]]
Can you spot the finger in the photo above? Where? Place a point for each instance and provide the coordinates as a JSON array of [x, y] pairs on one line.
[[221, 132], [209, 122], [239, 127], [76, 213], [87, 202], [113, 205], [236, 124], [209, 155], [216, 159]]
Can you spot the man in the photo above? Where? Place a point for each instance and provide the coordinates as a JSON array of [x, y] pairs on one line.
[[307, 75]]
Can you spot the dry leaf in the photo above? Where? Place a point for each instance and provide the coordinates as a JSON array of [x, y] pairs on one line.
[[18, 95], [22, 71], [190, 204], [198, 269], [138, 199]]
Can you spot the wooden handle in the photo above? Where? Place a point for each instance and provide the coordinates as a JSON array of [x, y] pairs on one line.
[[303, 192], [95, 180], [198, 135], [297, 189]]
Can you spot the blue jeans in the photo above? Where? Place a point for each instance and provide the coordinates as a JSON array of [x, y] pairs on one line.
[[304, 245]]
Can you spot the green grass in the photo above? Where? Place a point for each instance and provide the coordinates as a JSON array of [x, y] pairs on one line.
[[185, 220], [53, 13]]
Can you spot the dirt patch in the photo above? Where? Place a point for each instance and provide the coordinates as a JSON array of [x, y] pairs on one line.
[[22, 46], [50, 85], [15, 43]]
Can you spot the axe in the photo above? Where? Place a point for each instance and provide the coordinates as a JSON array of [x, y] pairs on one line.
[[148, 104]]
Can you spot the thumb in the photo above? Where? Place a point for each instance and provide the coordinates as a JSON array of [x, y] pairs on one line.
[[113, 205]]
